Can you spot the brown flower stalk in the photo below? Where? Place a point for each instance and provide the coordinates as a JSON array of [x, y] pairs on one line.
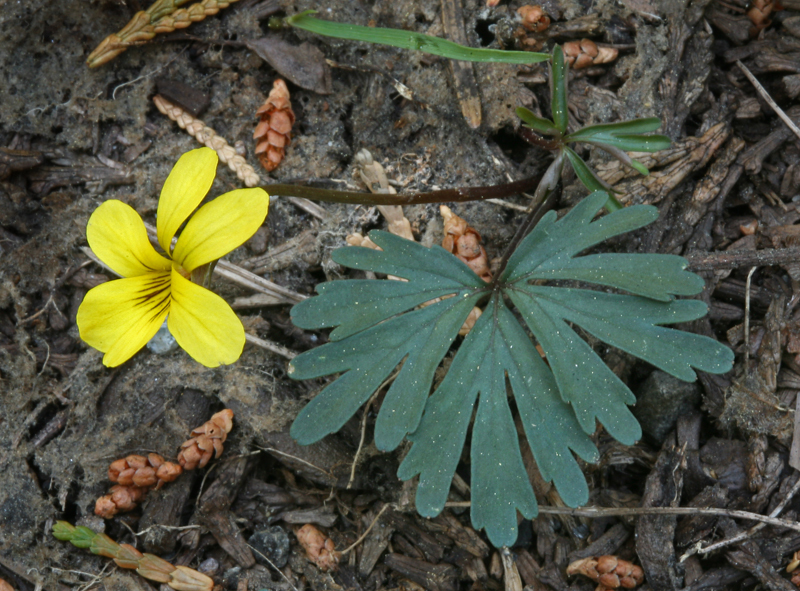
[[274, 132], [609, 572], [207, 439], [162, 17], [585, 53], [149, 566], [208, 137]]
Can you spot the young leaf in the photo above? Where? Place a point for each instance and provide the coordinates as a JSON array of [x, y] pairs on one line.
[[584, 173], [558, 401], [411, 40], [590, 180], [543, 126], [559, 70], [624, 135]]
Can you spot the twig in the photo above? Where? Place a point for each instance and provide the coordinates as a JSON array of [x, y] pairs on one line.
[[698, 549], [385, 383], [747, 319], [734, 259], [270, 346], [595, 512], [301, 460], [444, 196], [208, 137], [507, 204], [364, 535], [598, 512], [273, 565], [765, 95]]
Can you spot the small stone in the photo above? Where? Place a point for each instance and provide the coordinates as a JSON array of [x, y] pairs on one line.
[[660, 400], [162, 342], [273, 543], [209, 566]]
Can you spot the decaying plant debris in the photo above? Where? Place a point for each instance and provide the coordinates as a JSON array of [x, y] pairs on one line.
[[71, 137]]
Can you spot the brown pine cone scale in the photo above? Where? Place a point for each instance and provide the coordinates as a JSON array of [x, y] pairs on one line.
[[207, 441], [274, 132]]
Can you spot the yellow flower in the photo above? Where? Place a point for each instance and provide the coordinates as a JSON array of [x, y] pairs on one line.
[[120, 316]]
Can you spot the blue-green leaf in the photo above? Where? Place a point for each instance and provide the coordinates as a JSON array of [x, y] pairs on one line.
[[383, 325], [495, 348]]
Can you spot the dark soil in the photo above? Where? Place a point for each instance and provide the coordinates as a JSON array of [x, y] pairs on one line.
[[72, 137]]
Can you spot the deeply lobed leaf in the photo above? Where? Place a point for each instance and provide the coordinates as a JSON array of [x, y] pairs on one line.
[[380, 328]]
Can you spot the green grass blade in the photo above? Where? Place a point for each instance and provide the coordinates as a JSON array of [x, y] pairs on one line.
[[411, 40]]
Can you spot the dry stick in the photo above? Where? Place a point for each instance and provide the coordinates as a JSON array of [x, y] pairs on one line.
[[598, 512], [273, 565], [444, 196], [765, 95], [301, 460], [385, 383], [734, 259], [595, 512], [364, 535], [698, 549], [747, 319]]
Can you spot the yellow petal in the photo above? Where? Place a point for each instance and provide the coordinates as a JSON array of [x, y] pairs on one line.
[[204, 324], [220, 226], [118, 237], [184, 189], [119, 317]]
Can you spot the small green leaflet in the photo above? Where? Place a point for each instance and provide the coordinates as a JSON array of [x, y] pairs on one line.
[[380, 326]]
